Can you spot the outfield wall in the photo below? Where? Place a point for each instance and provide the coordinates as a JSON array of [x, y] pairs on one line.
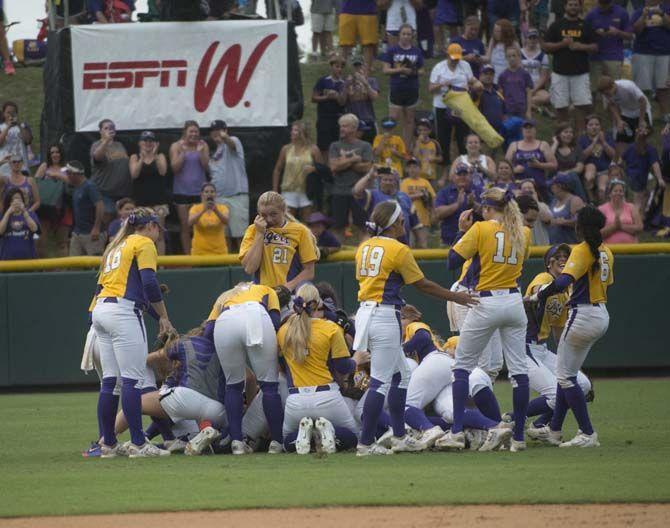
[[43, 318]]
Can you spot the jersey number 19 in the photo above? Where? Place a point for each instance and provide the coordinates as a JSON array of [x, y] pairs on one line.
[[371, 261]]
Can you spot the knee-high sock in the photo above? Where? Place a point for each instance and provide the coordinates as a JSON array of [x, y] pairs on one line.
[[459, 390], [289, 442], [487, 403], [273, 409], [577, 402], [560, 410], [107, 407], [131, 403], [475, 419], [538, 406], [416, 419], [397, 398], [233, 402], [164, 427], [520, 397], [345, 438], [439, 421], [544, 419], [372, 408]]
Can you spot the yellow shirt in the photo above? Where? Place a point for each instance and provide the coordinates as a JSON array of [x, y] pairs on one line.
[[293, 179], [590, 285], [494, 264], [386, 157], [383, 267], [209, 234], [425, 152], [120, 272], [551, 314], [419, 206], [285, 251], [253, 293], [326, 341]]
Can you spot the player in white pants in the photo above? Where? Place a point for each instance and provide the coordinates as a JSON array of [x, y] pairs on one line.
[[126, 285], [383, 266], [498, 246], [254, 423]]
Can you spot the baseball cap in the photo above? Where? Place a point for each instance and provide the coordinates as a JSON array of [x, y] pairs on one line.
[[553, 250], [533, 33], [561, 179], [147, 135], [364, 125], [528, 123], [356, 59], [389, 122], [75, 167], [218, 124], [455, 51], [318, 218], [336, 58], [487, 68], [462, 168], [412, 161], [424, 121]]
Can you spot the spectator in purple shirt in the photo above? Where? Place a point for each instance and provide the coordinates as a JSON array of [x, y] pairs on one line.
[[611, 25], [516, 85], [473, 47], [641, 159], [452, 200], [491, 102], [598, 152], [328, 94], [318, 224], [17, 227]]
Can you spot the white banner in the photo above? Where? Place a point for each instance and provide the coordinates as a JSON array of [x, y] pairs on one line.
[[158, 75]]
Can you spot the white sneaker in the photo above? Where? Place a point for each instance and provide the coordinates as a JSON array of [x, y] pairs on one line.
[[175, 446], [202, 441], [111, 452], [507, 418], [406, 444], [495, 438], [582, 440], [239, 447], [429, 436], [275, 448], [545, 434], [145, 451], [374, 449], [385, 439], [303, 443], [517, 445], [325, 436], [475, 438], [451, 441]]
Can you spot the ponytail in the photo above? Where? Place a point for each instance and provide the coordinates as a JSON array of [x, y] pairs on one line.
[[221, 301], [512, 220], [590, 221], [299, 325]]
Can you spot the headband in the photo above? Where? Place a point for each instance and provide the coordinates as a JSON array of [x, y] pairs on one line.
[[299, 306], [135, 220], [377, 230], [507, 198]]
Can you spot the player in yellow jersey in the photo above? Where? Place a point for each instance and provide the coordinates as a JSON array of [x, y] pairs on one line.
[[247, 318], [590, 271], [310, 344], [383, 266], [498, 247], [422, 194], [276, 249], [126, 286]]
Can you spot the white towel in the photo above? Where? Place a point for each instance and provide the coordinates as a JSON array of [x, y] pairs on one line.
[[87, 356], [254, 316], [363, 319]]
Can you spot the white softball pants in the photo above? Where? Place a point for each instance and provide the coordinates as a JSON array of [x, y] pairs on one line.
[[504, 312], [586, 324], [326, 404], [244, 333], [182, 403], [254, 423], [444, 401], [428, 380], [121, 339]]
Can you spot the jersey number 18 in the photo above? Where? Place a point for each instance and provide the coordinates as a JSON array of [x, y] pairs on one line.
[[371, 261], [114, 259]]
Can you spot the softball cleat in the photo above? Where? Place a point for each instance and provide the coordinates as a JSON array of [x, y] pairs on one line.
[[429, 436], [238, 447], [495, 438], [303, 443], [145, 451], [374, 449], [325, 436], [118, 450], [201, 441], [475, 438], [275, 448], [407, 444], [545, 434], [451, 441], [582, 440], [175, 446], [517, 445]]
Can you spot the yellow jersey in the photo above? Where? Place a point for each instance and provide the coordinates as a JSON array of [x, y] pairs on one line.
[[420, 206], [386, 157], [120, 272], [326, 342], [253, 293], [383, 267], [425, 153], [590, 285], [495, 265], [425, 348], [285, 250], [209, 234], [552, 313]]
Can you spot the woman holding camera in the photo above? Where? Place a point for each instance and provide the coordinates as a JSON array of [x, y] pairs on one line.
[[14, 137], [208, 220]]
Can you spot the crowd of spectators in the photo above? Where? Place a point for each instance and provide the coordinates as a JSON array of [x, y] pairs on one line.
[[567, 65]]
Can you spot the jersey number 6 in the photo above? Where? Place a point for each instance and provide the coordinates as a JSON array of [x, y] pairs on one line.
[[604, 267], [371, 260], [499, 257]]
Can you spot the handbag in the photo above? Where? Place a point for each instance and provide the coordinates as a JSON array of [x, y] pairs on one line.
[[51, 192]]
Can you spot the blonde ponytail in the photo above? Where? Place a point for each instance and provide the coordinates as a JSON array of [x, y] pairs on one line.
[[299, 325], [221, 301], [124, 232], [512, 220]]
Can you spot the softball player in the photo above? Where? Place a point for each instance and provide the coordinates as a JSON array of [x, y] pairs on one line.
[[276, 249], [383, 266], [126, 285], [309, 343], [247, 318], [498, 247], [590, 270]]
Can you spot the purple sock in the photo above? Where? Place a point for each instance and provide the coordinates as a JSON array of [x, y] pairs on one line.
[[417, 419], [460, 390], [397, 398], [439, 421], [233, 402], [164, 426], [487, 403], [107, 407], [520, 397], [289, 442], [575, 398], [560, 410], [152, 431], [538, 406], [131, 403], [345, 438], [273, 409], [384, 420], [476, 420], [543, 420], [372, 408]]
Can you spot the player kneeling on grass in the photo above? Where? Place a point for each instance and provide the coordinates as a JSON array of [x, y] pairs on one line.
[[314, 406]]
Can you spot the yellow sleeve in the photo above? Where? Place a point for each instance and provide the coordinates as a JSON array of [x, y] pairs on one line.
[[214, 314], [223, 209], [376, 141], [248, 240], [610, 256], [468, 245], [273, 300], [281, 336], [404, 186], [338, 346], [195, 209], [306, 248], [400, 146], [430, 189], [539, 280], [146, 255], [407, 267], [578, 263]]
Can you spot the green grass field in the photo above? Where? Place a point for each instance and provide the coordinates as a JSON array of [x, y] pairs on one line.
[[43, 472]]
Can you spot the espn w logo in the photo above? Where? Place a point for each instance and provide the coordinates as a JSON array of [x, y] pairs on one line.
[[132, 74]]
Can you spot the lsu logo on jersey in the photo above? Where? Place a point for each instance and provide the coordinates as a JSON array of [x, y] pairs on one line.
[[275, 238], [554, 306]]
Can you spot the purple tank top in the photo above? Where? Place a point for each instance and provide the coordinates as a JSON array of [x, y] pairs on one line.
[[522, 157], [190, 178], [24, 187]]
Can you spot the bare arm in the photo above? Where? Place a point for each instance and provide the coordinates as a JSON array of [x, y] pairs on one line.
[[637, 226], [435, 290], [194, 217], [41, 171], [306, 275], [100, 153], [5, 220], [251, 260], [203, 151], [135, 166], [36, 195], [32, 225], [161, 163], [279, 166], [361, 186], [99, 212], [176, 156]]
